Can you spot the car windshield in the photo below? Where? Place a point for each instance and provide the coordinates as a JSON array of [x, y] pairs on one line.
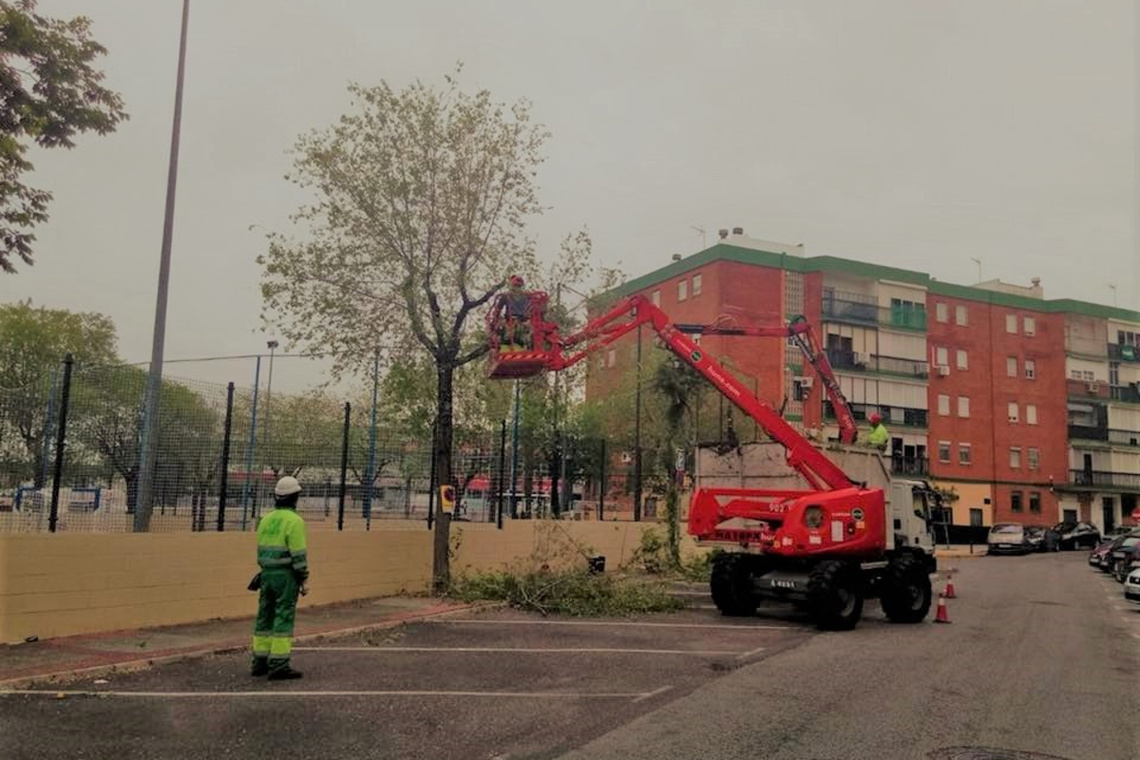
[[1007, 528], [1035, 531]]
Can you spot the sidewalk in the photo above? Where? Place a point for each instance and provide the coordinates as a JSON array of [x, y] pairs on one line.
[[959, 551], [95, 654]]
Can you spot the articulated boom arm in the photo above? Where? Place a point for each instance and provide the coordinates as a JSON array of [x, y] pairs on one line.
[[799, 331], [631, 312]]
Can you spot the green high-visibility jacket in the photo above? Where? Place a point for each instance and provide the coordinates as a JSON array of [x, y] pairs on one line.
[[879, 436], [281, 543]]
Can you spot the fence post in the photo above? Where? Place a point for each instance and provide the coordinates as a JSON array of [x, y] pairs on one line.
[[343, 466], [225, 476], [603, 487], [251, 446], [60, 441], [502, 472]]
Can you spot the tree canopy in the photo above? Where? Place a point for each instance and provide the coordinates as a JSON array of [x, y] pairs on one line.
[[49, 93]]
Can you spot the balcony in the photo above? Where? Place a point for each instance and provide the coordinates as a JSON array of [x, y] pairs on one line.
[[1130, 394], [855, 308], [909, 418], [888, 365], [1104, 479], [1088, 433], [1124, 437], [1088, 389], [914, 466], [1119, 353]]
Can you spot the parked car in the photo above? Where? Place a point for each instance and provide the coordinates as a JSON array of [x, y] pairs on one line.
[[1078, 535], [1124, 554], [1100, 556], [1043, 539], [1132, 586], [1008, 538]]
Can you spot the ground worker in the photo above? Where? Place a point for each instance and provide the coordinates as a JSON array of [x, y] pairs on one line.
[[514, 306], [282, 557], [879, 437]]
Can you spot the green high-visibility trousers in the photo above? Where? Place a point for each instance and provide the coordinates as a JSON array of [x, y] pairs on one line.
[[276, 613]]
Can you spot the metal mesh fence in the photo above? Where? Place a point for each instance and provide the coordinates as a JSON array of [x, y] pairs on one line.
[[221, 448]]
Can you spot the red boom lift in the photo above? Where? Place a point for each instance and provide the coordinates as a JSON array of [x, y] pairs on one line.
[[826, 548]]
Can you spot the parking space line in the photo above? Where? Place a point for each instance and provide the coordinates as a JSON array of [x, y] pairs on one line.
[[634, 695], [750, 653], [651, 694], [622, 624], [525, 650]]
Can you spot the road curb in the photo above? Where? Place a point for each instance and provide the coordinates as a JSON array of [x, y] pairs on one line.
[[16, 685]]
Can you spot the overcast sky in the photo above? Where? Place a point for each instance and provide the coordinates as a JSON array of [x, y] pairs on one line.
[[913, 134]]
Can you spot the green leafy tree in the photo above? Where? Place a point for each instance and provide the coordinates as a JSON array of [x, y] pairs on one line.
[[49, 93], [33, 343], [675, 384]]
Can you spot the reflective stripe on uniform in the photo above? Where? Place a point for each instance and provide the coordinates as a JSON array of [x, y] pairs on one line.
[[280, 647], [262, 645]]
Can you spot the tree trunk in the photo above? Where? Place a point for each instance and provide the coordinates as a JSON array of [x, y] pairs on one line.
[[441, 561]]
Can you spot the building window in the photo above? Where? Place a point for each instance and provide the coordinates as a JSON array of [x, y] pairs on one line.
[[1031, 414], [1087, 375], [1030, 369], [696, 285], [975, 517], [1011, 323], [1014, 414], [961, 316], [963, 453], [942, 312], [963, 360], [682, 290], [1015, 501], [944, 452], [1011, 366], [942, 356], [1030, 326], [963, 406], [1034, 457], [944, 405], [1035, 502], [655, 297], [611, 357], [1015, 457]]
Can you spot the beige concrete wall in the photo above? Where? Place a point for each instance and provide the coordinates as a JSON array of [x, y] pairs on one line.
[[484, 547], [63, 584]]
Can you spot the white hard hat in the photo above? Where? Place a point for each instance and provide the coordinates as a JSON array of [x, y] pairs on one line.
[[287, 486]]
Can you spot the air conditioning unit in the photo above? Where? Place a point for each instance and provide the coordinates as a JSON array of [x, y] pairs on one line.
[[803, 382], [944, 370], [1092, 387]]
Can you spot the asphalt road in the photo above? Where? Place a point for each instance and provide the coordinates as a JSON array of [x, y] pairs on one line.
[[1041, 656], [1038, 658]]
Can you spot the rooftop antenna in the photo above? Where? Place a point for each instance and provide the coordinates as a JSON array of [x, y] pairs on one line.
[[1113, 289], [704, 243], [979, 263]]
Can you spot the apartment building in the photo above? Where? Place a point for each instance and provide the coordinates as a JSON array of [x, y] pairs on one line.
[[1028, 408]]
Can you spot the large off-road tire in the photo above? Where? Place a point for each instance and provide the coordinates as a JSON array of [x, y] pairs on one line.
[[836, 595], [731, 585], [906, 591]]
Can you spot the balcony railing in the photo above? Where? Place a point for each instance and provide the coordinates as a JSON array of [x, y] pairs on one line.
[[1125, 353], [849, 360], [1088, 389], [910, 466], [909, 418], [844, 307], [1124, 437], [1127, 393], [1088, 432], [1105, 479]]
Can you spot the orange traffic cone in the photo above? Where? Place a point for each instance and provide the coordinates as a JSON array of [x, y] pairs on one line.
[[950, 587], [943, 615]]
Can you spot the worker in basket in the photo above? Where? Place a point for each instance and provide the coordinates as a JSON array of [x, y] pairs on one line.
[[879, 438], [512, 311]]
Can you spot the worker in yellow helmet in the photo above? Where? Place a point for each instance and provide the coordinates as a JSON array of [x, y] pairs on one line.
[[282, 555], [880, 438]]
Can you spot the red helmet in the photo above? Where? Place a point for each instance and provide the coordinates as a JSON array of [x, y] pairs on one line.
[[515, 281], [876, 418]]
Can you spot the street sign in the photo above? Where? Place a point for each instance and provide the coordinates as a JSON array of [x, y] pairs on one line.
[[447, 499]]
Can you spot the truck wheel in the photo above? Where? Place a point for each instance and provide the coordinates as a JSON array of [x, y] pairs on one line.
[[906, 591], [835, 595], [731, 585]]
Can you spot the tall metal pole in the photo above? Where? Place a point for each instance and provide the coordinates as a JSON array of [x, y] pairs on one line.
[[637, 438], [149, 438], [60, 442], [371, 476], [251, 446], [515, 457], [343, 467], [265, 446], [502, 473]]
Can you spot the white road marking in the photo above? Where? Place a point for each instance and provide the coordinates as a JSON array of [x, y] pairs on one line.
[[750, 653], [510, 650], [634, 695], [625, 624], [651, 694]]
